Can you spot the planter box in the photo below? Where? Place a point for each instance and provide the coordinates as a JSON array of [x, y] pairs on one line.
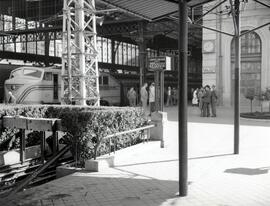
[[13, 156], [101, 163], [66, 169]]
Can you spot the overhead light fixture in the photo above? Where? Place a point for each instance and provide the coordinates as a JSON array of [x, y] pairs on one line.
[[100, 20]]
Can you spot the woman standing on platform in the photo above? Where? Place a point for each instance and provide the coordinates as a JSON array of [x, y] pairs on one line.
[[200, 94], [131, 95], [169, 97], [195, 97]]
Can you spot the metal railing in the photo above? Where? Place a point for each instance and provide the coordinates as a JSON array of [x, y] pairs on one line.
[[147, 128]]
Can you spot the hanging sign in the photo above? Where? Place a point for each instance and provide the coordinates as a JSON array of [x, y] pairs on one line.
[[159, 63]]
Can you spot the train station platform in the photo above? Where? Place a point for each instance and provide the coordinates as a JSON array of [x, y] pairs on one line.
[[147, 175]]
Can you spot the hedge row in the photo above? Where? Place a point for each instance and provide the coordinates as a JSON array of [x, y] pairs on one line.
[[85, 126]]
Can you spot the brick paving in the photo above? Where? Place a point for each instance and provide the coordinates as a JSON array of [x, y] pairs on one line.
[[147, 175]]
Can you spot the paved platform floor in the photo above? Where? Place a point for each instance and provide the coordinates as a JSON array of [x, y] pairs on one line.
[[147, 175]]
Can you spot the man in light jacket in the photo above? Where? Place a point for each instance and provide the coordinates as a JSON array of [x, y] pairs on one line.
[[152, 97], [144, 97]]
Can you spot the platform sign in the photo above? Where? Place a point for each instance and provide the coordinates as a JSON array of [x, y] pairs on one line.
[[159, 63]]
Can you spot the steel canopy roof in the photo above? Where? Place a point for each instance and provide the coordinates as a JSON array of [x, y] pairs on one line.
[[151, 9], [146, 9]]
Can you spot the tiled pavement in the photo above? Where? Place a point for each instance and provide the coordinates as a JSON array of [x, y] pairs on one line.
[[148, 175]]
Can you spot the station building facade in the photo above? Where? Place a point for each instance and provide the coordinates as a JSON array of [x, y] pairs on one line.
[[218, 52]]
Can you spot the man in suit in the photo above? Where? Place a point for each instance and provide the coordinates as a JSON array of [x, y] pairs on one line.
[[206, 99], [213, 101]]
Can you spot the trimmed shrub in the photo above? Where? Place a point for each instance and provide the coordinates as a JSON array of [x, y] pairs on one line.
[[85, 126]]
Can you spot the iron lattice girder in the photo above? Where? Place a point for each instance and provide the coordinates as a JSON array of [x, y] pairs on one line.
[[79, 59]]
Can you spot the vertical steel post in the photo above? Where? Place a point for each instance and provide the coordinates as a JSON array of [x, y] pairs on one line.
[[161, 101], [64, 42], [46, 47], [42, 146], [219, 82], [69, 54], [237, 72], [13, 23], [157, 90], [55, 141], [161, 91], [3, 29], [142, 53], [26, 26], [79, 18], [95, 65], [22, 146], [182, 103]]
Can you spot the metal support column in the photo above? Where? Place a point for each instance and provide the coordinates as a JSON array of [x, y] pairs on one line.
[[157, 90], [47, 47], [219, 82], [79, 18], [142, 53], [13, 24], [22, 146], [182, 103], [237, 72], [3, 30], [161, 91]]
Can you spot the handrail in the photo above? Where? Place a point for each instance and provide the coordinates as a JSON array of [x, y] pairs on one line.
[[130, 131], [148, 127]]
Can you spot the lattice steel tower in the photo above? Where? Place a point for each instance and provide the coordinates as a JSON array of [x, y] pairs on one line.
[[79, 55]]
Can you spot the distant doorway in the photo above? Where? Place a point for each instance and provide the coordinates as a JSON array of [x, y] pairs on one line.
[[250, 75]]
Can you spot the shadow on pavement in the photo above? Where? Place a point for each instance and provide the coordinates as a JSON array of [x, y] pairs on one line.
[[210, 156], [248, 171], [171, 160], [144, 163], [82, 188]]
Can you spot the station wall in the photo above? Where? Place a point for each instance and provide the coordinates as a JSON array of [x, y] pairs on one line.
[[217, 52]]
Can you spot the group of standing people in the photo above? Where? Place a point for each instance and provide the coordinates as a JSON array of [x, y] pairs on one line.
[[149, 94], [206, 97], [171, 96], [144, 95]]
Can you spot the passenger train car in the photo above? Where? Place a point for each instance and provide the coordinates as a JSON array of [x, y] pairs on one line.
[[40, 85]]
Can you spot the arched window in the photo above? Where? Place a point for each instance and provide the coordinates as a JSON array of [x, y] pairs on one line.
[[250, 79], [250, 45]]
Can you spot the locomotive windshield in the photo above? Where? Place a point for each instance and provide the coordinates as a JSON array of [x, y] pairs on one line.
[[27, 72], [32, 72]]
